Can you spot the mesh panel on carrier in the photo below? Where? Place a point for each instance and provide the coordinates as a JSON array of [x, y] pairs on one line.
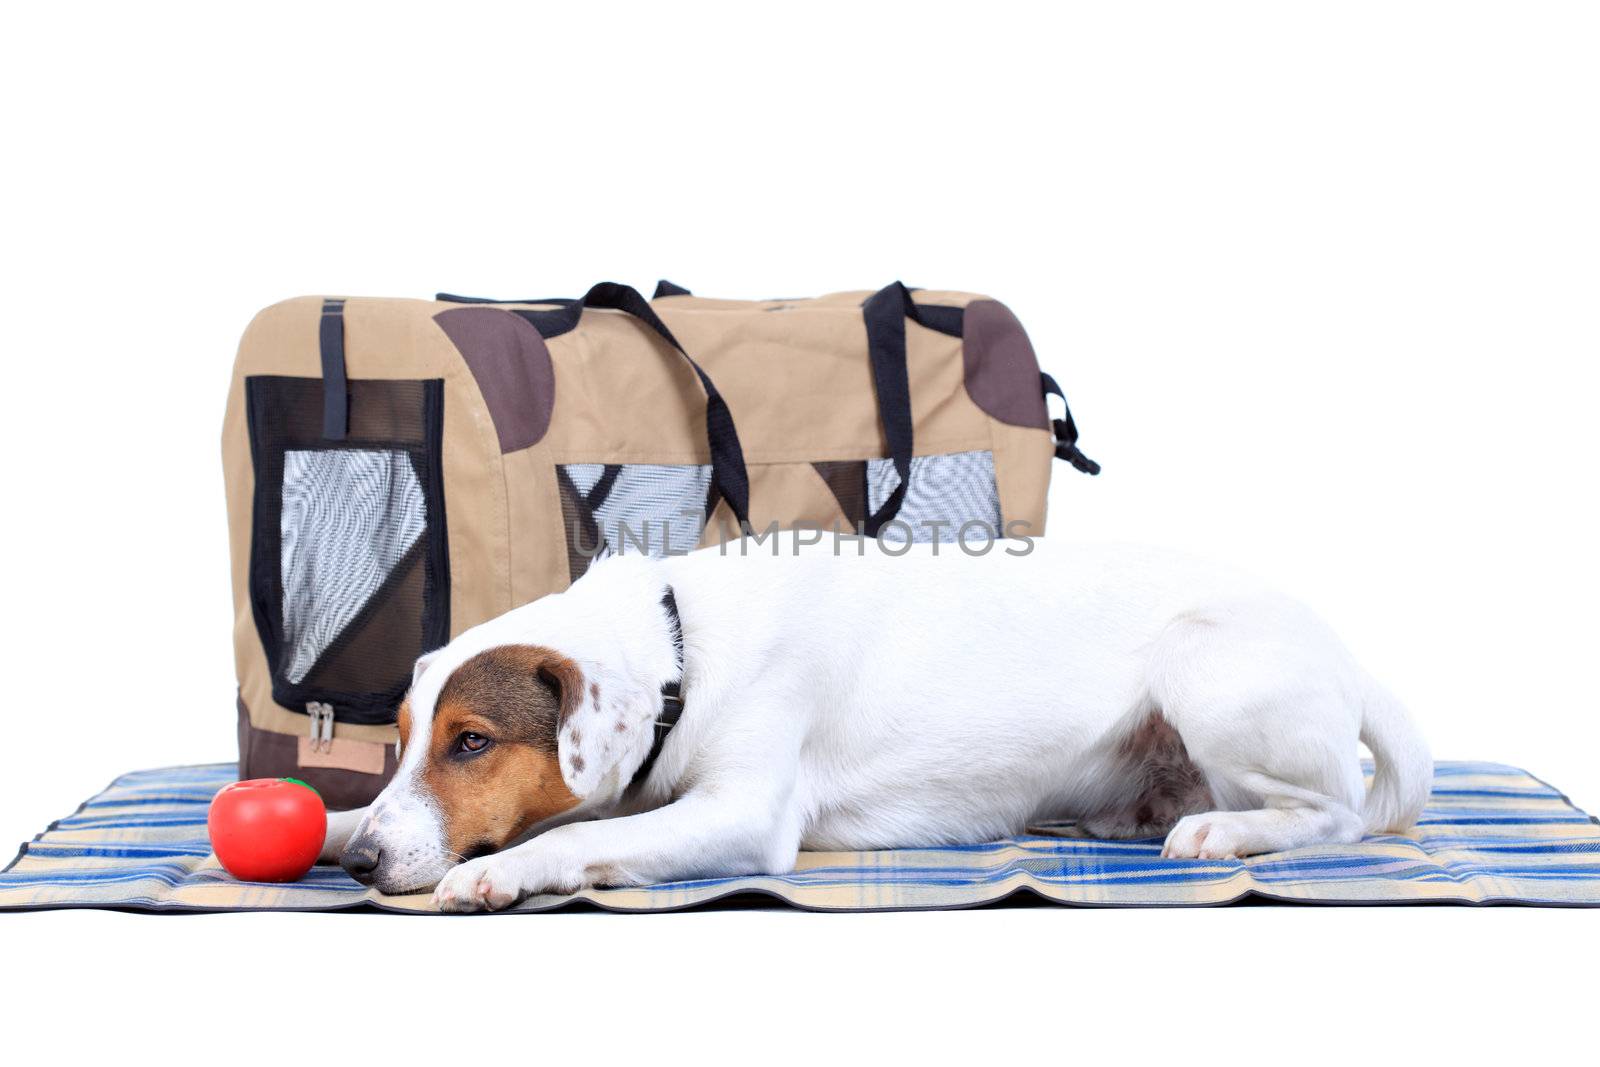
[[349, 574], [949, 498]]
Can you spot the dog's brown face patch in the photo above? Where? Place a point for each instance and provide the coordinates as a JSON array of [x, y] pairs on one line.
[[491, 761]]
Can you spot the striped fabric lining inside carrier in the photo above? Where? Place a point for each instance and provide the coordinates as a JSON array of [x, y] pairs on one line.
[[1491, 834]]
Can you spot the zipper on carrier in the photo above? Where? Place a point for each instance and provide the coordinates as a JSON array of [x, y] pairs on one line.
[[320, 715]]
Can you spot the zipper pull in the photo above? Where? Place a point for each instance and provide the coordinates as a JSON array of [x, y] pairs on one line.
[[321, 725]]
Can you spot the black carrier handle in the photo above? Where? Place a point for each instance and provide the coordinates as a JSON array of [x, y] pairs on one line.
[[885, 314], [728, 474], [335, 390]]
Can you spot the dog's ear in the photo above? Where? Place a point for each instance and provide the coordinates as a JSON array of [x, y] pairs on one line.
[[416, 672], [601, 722], [422, 664]]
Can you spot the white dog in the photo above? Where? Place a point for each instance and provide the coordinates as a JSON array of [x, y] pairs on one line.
[[874, 702]]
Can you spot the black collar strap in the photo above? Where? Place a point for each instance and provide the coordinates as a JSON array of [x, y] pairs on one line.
[[671, 692]]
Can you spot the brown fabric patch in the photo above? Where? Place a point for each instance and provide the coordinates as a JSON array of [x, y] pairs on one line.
[[999, 365], [847, 480], [503, 694], [343, 754], [511, 363]]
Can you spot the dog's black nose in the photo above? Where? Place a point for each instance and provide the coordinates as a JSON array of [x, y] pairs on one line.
[[360, 859]]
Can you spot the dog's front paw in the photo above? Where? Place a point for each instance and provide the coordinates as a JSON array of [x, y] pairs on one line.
[[486, 884]]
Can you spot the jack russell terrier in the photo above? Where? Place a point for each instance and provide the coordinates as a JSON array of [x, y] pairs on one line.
[[844, 703]]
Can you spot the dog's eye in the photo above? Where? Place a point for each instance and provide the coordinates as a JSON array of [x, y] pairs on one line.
[[471, 743]]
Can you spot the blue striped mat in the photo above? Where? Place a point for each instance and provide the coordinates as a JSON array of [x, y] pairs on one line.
[[1491, 834]]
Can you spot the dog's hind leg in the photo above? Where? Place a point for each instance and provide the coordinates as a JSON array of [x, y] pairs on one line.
[[1287, 821], [1267, 704]]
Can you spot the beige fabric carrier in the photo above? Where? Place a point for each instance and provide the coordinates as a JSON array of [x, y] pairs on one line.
[[400, 470]]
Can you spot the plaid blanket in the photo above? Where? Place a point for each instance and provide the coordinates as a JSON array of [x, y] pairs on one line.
[[1491, 835]]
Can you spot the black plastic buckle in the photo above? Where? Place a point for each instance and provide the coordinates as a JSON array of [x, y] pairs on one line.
[[1066, 433]]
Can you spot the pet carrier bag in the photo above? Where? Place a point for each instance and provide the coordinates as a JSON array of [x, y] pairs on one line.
[[400, 470]]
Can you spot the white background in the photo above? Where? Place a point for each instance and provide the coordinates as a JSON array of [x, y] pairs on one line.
[[1319, 281]]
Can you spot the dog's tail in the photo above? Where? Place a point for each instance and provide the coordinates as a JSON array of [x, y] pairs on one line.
[[1404, 775]]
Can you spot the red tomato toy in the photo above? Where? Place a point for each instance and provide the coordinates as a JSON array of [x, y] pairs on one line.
[[267, 829]]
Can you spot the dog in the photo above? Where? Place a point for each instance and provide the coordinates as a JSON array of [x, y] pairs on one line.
[[712, 714]]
